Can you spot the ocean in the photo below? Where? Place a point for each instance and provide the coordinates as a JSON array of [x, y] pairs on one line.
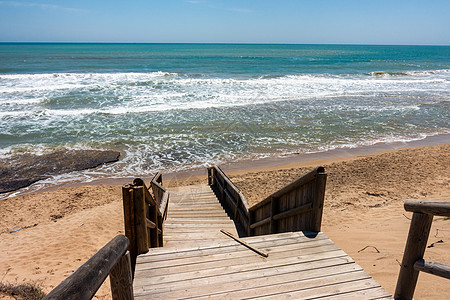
[[173, 107]]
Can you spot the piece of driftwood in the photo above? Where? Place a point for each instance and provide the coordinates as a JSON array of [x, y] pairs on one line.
[[260, 252]]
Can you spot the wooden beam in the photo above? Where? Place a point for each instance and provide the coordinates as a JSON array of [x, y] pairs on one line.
[[432, 267], [260, 223], [150, 224], [294, 211], [87, 279], [431, 207]]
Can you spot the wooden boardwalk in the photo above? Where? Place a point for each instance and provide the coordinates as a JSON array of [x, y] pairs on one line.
[[198, 261]]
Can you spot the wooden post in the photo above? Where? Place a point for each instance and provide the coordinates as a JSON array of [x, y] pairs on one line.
[[140, 220], [414, 250], [223, 195], [273, 212], [128, 214], [121, 279], [153, 216], [251, 220], [318, 200], [210, 170]]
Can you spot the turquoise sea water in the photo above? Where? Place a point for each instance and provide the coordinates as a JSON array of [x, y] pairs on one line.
[[170, 107]]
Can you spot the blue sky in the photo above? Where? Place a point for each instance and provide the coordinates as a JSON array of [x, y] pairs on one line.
[[215, 21]]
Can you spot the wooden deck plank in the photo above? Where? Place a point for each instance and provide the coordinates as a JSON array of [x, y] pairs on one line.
[[357, 288], [260, 283], [295, 269], [241, 252], [242, 262], [201, 262], [264, 242], [234, 272], [290, 286]]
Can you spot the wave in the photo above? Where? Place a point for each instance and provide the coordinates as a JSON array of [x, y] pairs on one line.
[[441, 72], [122, 93]]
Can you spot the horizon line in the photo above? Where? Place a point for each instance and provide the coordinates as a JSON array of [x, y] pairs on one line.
[[219, 43]]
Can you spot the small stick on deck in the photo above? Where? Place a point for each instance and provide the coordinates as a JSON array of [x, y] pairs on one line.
[[262, 253]]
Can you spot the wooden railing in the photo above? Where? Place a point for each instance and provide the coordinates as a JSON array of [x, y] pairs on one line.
[[144, 215], [230, 197], [296, 207], [419, 230], [113, 260]]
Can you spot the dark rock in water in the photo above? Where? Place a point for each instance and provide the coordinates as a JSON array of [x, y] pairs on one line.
[[23, 170]]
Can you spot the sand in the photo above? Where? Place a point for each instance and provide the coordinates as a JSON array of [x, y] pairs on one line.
[[363, 214]]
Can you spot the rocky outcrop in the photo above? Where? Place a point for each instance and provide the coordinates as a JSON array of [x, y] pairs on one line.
[[23, 170]]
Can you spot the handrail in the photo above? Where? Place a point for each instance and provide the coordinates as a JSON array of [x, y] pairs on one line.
[[431, 207], [87, 279], [419, 230], [297, 206], [230, 197], [161, 194], [144, 215]]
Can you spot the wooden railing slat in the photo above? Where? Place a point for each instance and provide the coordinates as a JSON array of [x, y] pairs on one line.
[[150, 224], [432, 267], [260, 223], [294, 211], [432, 207]]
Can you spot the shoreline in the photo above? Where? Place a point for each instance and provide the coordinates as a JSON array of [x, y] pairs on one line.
[[363, 206], [252, 165]]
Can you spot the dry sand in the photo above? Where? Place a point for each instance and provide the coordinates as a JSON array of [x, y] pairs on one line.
[[363, 215]]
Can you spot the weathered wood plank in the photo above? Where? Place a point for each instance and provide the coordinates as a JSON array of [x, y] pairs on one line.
[[254, 286], [243, 261], [236, 271], [355, 287], [227, 245], [293, 286], [142, 286]]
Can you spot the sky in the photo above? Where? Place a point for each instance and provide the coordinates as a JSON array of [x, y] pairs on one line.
[[388, 22]]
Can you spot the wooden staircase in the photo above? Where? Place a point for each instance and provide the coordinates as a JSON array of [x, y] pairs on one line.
[[195, 217]]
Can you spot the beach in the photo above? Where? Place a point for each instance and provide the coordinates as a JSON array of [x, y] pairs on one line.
[[376, 117], [55, 231]]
